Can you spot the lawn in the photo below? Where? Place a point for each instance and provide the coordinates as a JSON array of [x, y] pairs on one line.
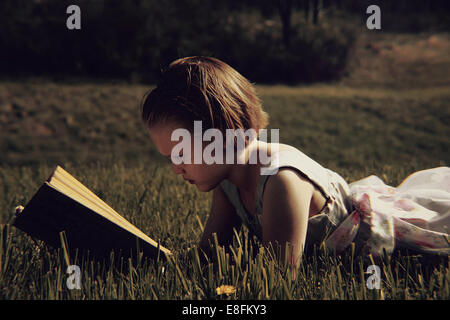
[[93, 130]]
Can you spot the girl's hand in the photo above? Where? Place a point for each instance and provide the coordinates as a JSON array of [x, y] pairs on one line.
[[18, 210]]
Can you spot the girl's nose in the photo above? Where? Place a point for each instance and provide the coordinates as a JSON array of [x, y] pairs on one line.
[[177, 169]]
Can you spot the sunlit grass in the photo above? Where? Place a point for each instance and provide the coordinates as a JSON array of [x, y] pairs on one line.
[[94, 132], [27, 273]]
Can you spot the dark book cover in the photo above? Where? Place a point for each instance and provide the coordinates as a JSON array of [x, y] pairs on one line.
[[50, 212]]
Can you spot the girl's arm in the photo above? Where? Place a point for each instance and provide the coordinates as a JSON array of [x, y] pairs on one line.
[[286, 200], [222, 219]]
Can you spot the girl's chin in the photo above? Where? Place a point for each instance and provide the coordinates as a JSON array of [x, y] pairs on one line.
[[204, 187]]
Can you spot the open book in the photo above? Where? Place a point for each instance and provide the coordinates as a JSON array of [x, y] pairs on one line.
[[62, 203]]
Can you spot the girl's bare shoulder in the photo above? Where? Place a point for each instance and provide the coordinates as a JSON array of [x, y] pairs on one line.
[[279, 147], [288, 181]]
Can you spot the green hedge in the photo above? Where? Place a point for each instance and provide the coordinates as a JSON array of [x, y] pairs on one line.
[[135, 39]]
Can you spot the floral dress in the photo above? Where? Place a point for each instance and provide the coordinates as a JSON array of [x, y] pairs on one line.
[[415, 215], [369, 213]]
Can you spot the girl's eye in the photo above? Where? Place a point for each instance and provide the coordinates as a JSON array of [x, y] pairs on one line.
[[178, 158]]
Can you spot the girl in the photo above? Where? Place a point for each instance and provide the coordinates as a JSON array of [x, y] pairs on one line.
[[299, 202]]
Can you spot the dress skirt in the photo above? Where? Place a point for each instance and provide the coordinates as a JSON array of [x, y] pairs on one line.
[[415, 215]]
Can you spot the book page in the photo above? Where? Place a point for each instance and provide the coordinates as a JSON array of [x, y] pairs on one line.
[[67, 179]]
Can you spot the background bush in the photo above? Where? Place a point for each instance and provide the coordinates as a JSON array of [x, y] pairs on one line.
[[134, 39]]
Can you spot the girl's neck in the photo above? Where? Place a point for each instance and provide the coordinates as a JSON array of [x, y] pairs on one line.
[[245, 176]]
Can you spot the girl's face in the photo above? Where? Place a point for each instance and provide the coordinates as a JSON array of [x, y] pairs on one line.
[[205, 176]]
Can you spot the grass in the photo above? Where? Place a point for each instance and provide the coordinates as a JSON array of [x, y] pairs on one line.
[[94, 131], [356, 132]]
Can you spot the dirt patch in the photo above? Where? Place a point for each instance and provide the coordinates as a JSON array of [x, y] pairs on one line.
[[40, 129], [400, 60]]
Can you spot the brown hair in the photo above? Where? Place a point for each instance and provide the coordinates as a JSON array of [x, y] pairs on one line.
[[206, 89]]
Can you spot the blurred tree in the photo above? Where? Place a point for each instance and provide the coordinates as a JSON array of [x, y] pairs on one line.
[[306, 8], [285, 9], [316, 11], [134, 39]]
